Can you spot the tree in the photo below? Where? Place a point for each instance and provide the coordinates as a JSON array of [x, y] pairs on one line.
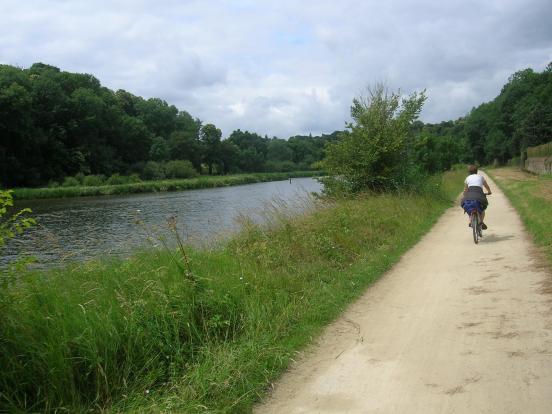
[[229, 155], [210, 137], [374, 153], [252, 150], [159, 150], [185, 146]]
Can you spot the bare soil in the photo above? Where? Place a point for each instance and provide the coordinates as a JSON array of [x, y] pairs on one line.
[[454, 327]]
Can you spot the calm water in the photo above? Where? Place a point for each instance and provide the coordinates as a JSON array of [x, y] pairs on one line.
[[82, 228]]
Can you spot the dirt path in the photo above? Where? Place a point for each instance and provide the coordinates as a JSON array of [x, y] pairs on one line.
[[452, 328]]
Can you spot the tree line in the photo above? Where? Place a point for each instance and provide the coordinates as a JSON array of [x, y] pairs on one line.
[[494, 132], [55, 124], [386, 147]]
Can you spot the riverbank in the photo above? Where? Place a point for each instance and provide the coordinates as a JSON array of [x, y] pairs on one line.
[[200, 331], [531, 195], [157, 186]]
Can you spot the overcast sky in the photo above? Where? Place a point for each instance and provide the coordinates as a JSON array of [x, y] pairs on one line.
[[284, 67]]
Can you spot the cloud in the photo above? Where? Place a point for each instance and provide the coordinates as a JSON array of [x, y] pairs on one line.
[[284, 67]]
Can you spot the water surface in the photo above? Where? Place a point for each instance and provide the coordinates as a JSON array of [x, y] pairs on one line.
[[82, 228]]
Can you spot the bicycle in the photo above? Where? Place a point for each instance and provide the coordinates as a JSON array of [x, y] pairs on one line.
[[473, 208], [475, 223]]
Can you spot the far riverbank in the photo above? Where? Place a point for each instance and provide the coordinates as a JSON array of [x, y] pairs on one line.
[[158, 186]]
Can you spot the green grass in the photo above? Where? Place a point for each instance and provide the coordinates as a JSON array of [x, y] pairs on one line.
[[146, 335], [157, 186], [532, 197]]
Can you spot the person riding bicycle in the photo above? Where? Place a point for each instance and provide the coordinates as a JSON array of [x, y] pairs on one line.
[[473, 190]]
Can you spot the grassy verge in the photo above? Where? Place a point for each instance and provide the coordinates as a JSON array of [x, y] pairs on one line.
[[531, 195], [199, 331], [156, 186]]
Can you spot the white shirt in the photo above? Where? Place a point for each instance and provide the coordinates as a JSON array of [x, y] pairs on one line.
[[474, 180]]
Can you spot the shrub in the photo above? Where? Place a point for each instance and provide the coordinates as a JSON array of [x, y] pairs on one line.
[[134, 178], [80, 177], [53, 184], [70, 182], [12, 223], [116, 179], [180, 169], [93, 180], [374, 154], [153, 171], [281, 166]]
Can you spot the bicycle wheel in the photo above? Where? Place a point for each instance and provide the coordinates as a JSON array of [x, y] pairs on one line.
[[475, 226]]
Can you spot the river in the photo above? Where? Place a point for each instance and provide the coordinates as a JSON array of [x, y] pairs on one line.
[[88, 227]]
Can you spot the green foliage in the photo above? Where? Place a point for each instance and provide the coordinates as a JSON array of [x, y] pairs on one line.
[[116, 179], [436, 152], [159, 150], [180, 169], [12, 224], [153, 171], [281, 166], [56, 124], [494, 132], [210, 136], [133, 178], [70, 182], [374, 154], [93, 180]]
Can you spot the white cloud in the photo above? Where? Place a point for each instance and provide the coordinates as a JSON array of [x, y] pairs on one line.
[[284, 67]]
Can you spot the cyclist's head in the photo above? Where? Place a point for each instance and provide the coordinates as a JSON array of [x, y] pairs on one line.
[[472, 168]]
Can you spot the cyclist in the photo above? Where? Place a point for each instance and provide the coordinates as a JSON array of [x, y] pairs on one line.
[[473, 190]]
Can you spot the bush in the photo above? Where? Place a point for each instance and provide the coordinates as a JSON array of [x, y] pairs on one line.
[[53, 184], [180, 169], [93, 180], [70, 182], [12, 223], [284, 166], [153, 171], [374, 154], [134, 178], [80, 177], [116, 179]]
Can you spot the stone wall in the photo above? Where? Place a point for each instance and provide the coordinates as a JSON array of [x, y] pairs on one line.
[[539, 165]]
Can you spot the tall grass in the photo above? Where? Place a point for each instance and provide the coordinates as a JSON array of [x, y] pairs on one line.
[[532, 197], [142, 335], [156, 186]]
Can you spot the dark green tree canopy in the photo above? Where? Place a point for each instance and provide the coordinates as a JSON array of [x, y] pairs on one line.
[[55, 124]]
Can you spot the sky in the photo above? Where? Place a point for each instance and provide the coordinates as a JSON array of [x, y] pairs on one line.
[[284, 67]]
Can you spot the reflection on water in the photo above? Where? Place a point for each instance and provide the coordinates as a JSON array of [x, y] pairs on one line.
[[81, 228]]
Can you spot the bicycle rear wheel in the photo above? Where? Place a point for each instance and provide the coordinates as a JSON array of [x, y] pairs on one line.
[[475, 226]]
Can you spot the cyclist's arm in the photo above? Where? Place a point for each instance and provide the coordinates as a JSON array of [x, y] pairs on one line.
[[487, 187], [465, 188]]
